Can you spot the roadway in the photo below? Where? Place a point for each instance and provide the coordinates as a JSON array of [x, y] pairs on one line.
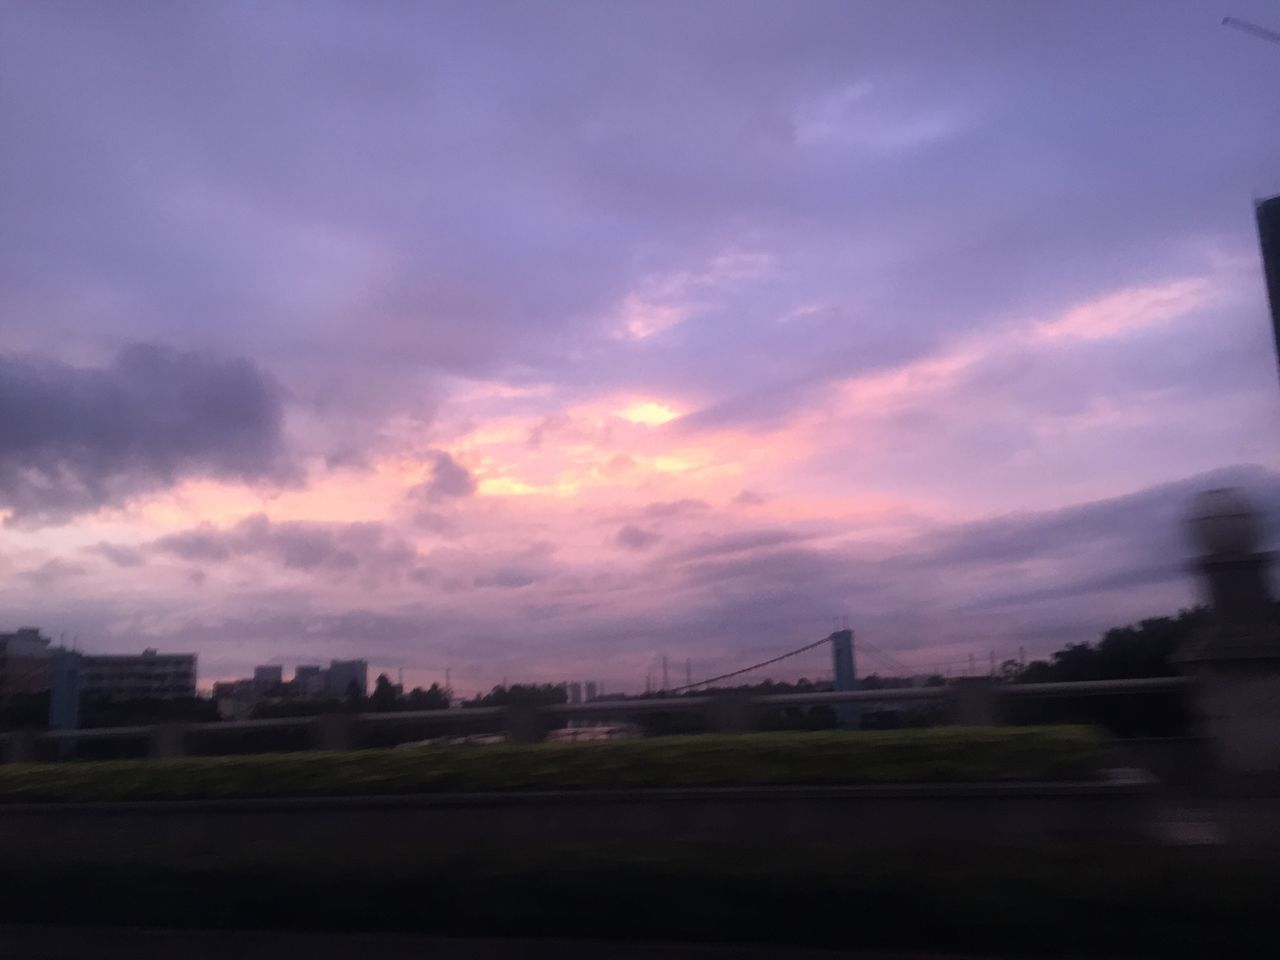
[[76, 943]]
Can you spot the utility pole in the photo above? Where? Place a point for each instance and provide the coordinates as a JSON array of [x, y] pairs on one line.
[[1267, 211], [666, 682]]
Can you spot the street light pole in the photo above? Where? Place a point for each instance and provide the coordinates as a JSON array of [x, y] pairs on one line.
[[1267, 211]]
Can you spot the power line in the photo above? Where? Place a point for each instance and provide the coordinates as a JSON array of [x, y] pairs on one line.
[[754, 666]]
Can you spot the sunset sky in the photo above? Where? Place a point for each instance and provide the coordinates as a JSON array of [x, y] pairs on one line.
[[537, 340]]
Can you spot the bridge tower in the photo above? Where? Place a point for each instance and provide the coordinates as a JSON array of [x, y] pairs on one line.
[[845, 672]]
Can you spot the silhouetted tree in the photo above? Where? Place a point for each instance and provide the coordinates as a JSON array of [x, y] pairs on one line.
[[434, 698], [354, 699], [1144, 649], [538, 693], [385, 695]]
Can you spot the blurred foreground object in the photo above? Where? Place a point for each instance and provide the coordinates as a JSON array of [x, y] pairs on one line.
[[1236, 659], [1268, 212]]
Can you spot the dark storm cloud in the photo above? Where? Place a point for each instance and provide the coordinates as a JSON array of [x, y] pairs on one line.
[[119, 554], [295, 545], [632, 537], [449, 480], [742, 542], [1093, 586], [73, 439], [674, 508], [53, 572], [660, 513], [508, 578]]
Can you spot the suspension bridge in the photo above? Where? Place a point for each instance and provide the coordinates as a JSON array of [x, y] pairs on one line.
[[844, 669]]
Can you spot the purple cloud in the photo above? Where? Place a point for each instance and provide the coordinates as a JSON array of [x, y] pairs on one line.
[[448, 480], [120, 555], [632, 537], [419, 228], [73, 439], [295, 545]]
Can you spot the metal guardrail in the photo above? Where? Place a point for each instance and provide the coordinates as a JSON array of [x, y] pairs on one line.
[[166, 739], [1093, 688], [892, 695], [604, 708], [99, 733]]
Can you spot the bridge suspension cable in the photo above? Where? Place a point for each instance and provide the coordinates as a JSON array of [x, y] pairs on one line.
[[754, 666], [890, 659]]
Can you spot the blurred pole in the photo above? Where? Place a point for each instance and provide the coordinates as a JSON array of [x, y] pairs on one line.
[[1268, 214], [1235, 659], [64, 701]]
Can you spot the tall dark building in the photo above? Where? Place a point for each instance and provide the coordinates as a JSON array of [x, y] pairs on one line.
[[1269, 236]]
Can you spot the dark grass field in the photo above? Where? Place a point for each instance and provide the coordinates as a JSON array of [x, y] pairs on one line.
[[936, 755], [1113, 900]]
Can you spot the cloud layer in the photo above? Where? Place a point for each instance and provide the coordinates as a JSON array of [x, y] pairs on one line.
[[73, 439], [536, 342]]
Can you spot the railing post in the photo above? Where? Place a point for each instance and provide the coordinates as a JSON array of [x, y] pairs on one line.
[[333, 731], [168, 740], [974, 702], [731, 712], [524, 723]]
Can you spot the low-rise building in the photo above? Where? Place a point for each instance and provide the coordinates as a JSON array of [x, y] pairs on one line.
[[309, 680], [25, 662], [343, 673], [235, 699], [268, 679], [149, 676]]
